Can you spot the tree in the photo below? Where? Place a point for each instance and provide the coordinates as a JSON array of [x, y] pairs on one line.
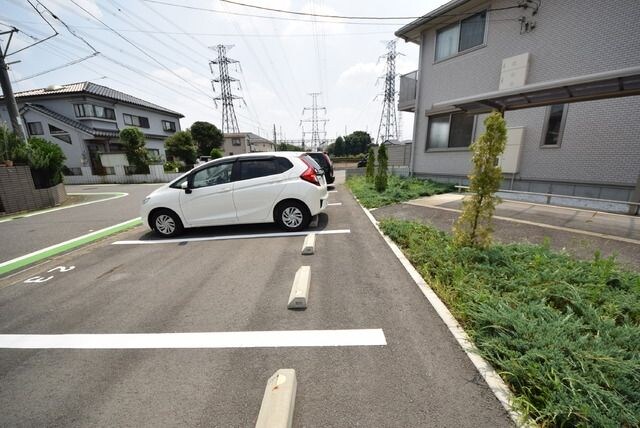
[[133, 143], [371, 165], [357, 142], [473, 227], [46, 161], [381, 177], [181, 145], [11, 146], [206, 136], [285, 147], [339, 148], [216, 153]]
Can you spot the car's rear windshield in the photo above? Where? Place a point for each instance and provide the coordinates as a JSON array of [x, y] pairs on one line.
[[312, 162], [319, 158]]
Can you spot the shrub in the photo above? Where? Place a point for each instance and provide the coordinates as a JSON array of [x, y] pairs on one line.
[[473, 227], [371, 165], [206, 136], [181, 145], [381, 177], [171, 166], [216, 154], [46, 161], [11, 148], [132, 140]]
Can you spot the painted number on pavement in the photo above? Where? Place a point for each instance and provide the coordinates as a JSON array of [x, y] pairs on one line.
[[41, 279]]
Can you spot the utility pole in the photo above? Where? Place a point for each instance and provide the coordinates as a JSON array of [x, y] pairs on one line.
[[275, 140], [388, 128], [7, 90], [229, 120], [315, 132]]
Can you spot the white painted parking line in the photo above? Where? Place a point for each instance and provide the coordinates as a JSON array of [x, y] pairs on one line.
[[334, 204], [333, 191], [50, 210], [236, 339], [230, 237]]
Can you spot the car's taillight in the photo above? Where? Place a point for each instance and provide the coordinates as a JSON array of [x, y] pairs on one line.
[[310, 175]]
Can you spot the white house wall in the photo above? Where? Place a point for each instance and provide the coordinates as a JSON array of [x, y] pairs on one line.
[[601, 140]]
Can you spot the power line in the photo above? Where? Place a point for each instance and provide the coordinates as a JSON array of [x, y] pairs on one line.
[[291, 12], [184, 6], [68, 64], [137, 48], [384, 18]]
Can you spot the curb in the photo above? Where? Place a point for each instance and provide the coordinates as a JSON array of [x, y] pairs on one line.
[[488, 373], [279, 400], [44, 253]]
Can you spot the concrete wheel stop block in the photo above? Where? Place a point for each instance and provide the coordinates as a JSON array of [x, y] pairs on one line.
[[300, 289], [278, 401], [309, 246]]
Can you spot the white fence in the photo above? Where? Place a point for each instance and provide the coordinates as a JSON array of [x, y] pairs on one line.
[[156, 175]]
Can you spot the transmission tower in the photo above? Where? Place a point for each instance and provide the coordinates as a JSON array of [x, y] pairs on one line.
[[315, 121], [229, 121], [388, 129]]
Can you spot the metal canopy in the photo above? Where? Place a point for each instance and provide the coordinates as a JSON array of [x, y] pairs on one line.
[[610, 84]]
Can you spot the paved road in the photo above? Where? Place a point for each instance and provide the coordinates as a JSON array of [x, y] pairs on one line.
[[420, 378], [25, 235]]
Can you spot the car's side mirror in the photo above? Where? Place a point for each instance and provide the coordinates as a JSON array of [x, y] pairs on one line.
[[185, 186]]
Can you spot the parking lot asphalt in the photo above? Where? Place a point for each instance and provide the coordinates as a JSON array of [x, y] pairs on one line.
[[421, 377], [25, 235]]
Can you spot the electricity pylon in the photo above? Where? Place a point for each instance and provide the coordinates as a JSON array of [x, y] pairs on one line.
[[388, 128], [229, 121], [315, 121]]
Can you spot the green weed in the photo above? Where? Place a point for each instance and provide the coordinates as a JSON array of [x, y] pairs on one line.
[[398, 189], [563, 333]]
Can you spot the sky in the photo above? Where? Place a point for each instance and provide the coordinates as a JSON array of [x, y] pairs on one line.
[[165, 57]]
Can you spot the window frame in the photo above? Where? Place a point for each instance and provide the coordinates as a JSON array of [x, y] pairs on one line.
[[448, 147], [132, 116], [171, 128], [82, 108], [35, 123], [458, 23], [545, 127], [232, 175], [273, 159]]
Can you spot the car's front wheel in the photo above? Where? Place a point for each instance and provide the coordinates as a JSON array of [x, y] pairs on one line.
[[166, 223], [292, 216]]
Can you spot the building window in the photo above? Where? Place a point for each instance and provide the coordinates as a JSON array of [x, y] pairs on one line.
[[554, 125], [461, 36], [168, 126], [453, 130], [90, 110], [139, 121], [235, 142], [59, 134], [35, 128]]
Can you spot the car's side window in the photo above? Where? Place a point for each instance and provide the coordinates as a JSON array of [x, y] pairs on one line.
[[258, 168], [213, 175]]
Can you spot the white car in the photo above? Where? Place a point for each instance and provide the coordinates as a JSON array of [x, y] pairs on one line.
[[288, 188]]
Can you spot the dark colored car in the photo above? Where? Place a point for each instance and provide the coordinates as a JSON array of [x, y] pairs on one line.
[[362, 162], [323, 160]]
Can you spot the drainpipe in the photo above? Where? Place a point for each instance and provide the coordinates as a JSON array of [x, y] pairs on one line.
[[417, 114]]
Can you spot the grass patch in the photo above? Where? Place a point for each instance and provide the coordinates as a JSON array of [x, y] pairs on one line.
[[399, 189], [563, 333]]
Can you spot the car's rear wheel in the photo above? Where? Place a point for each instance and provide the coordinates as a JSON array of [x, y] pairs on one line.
[[166, 223], [292, 216]]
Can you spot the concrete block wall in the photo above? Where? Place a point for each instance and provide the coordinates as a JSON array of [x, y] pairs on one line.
[[156, 175], [18, 193]]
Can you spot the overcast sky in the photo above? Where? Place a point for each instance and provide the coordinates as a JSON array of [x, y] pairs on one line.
[[282, 60]]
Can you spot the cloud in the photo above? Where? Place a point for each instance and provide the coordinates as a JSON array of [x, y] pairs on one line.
[[362, 73]]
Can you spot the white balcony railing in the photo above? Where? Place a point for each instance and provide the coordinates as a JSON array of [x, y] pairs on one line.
[[408, 91]]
